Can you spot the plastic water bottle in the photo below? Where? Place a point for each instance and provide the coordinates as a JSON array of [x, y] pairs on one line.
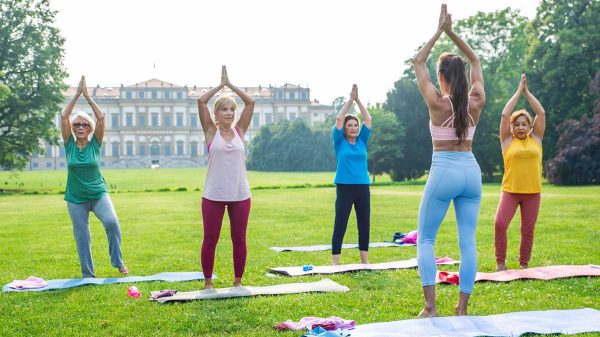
[[307, 267], [133, 291]]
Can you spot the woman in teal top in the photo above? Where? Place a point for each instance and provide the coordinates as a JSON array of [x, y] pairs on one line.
[[86, 190], [351, 176]]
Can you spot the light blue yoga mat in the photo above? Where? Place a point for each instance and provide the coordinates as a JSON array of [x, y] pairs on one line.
[[70, 283], [317, 248], [511, 324]]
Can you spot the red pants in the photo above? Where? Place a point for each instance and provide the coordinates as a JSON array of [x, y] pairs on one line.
[[530, 205], [212, 218]]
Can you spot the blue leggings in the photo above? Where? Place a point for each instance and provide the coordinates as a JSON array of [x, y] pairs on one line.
[[454, 176]]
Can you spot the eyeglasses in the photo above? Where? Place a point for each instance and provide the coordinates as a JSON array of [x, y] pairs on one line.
[[81, 125]]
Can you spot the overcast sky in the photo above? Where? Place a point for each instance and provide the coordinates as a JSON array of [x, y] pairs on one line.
[[324, 44]]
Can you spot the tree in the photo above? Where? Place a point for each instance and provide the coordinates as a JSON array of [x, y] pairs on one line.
[[385, 151], [562, 61], [577, 159], [31, 52], [292, 146]]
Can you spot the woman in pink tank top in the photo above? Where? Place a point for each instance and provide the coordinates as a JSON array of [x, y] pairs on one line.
[[226, 182]]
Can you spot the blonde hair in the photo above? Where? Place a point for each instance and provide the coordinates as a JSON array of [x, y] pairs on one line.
[[87, 119], [222, 101], [520, 113]]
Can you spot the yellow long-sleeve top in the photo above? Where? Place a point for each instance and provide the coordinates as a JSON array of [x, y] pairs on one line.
[[522, 166]]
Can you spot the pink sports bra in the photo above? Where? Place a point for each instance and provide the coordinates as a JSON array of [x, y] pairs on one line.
[[447, 131]]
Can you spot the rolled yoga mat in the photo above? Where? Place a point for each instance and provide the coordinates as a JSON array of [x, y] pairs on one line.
[[317, 248], [324, 285], [509, 324], [536, 273], [342, 268], [70, 283]]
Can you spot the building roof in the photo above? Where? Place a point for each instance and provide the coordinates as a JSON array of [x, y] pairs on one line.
[[154, 83]]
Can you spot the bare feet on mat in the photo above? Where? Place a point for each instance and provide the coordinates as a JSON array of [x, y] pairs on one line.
[[428, 312], [237, 282], [208, 284], [500, 267], [124, 270], [335, 259], [524, 265]]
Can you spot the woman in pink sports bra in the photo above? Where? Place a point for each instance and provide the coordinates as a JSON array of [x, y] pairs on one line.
[[226, 182], [454, 175]]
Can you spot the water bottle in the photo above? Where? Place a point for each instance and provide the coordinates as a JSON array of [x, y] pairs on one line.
[[307, 267], [133, 291]]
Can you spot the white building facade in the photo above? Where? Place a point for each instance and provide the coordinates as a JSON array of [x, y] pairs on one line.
[[157, 123]]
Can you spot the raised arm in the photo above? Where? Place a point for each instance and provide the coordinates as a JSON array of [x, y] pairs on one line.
[[428, 90], [364, 112], [208, 125], [477, 92], [99, 132], [246, 116], [505, 135], [339, 120], [65, 123], [539, 122]]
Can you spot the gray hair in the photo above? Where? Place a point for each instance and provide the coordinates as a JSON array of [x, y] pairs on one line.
[[87, 118]]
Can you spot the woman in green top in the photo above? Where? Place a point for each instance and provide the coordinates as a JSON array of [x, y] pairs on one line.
[[86, 190]]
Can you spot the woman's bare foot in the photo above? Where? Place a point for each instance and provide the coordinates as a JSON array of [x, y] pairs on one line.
[[335, 259], [208, 283], [237, 282], [524, 265], [461, 311], [428, 312], [500, 267], [124, 270]]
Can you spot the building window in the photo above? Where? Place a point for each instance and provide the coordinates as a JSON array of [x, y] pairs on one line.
[[154, 95], [129, 119], [142, 150], [179, 119], [167, 120], [128, 95], [268, 118], [179, 95], [304, 98], [292, 116], [292, 95], [129, 148], [142, 120], [166, 95], [155, 149], [115, 149], [48, 153], [194, 149], [154, 119], [167, 149], [142, 94], [194, 120], [114, 120], [180, 148], [256, 121], [48, 164]]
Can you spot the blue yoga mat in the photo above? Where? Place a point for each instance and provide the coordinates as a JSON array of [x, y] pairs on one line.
[[511, 324], [70, 283]]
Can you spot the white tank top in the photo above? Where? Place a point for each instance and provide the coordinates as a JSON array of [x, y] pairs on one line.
[[226, 177]]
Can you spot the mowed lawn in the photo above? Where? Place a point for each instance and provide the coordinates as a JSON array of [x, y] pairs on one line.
[[162, 231]]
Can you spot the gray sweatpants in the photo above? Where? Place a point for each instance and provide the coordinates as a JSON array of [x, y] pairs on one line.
[[105, 212]]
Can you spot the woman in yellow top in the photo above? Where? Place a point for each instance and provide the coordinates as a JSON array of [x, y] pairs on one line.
[[521, 141]]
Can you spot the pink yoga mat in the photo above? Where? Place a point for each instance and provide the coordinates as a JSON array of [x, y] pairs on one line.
[[537, 273]]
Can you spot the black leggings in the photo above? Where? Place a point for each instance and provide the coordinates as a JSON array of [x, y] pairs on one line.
[[346, 196]]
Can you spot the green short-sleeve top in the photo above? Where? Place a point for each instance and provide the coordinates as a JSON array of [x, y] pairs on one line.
[[84, 179]]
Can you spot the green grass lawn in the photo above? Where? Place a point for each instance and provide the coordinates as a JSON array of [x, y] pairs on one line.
[[162, 231]]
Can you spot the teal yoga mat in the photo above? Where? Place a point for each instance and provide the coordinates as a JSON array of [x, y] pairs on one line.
[[70, 283]]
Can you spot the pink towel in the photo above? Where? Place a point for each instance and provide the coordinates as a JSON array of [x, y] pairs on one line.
[[31, 282], [331, 323], [411, 237]]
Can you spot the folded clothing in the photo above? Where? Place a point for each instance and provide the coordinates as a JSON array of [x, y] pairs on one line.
[[31, 282], [330, 323], [162, 293]]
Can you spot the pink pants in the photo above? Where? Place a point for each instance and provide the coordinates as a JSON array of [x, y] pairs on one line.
[[212, 218], [530, 205]]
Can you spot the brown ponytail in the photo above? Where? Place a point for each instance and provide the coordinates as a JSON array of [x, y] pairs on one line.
[[453, 68]]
